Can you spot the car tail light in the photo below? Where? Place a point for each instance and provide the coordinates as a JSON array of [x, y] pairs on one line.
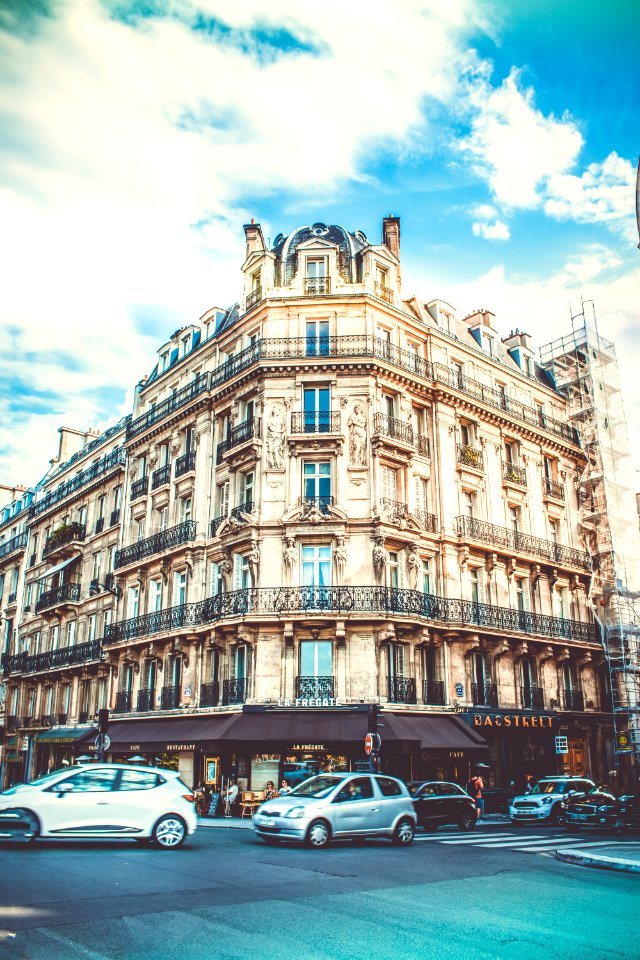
[[189, 797]]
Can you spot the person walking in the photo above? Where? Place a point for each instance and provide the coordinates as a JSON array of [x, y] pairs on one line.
[[475, 789]]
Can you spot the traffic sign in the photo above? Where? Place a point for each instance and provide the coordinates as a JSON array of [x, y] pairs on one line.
[[368, 744], [103, 741], [562, 744]]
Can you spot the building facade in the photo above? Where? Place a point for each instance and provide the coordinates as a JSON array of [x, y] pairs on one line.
[[333, 499]]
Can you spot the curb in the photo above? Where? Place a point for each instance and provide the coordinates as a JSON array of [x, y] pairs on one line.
[[598, 860]]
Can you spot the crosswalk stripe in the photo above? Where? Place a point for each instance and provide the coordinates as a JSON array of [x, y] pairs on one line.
[[481, 841]]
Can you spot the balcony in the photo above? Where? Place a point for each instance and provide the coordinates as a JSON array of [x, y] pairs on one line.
[[12, 724], [161, 477], [470, 457], [514, 473], [394, 429], [532, 698], [254, 297], [366, 600], [139, 488], [52, 659], [402, 690], [170, 697], [66, 534], [553, 489], [83, 716], [209, 694], [237, 435], [62, 719], [124, 700], [385, 293], [239, 513], [11, 599], [99, 525], [514, 541], [433, 692], [146, 700], [484, 694], [185, 464], [316, 286], [59, 596], [315, 688], [158, 543], [46, 720], [100, 469], [234, 691], [308, 504], [166, 407], [315, 421], [114, 519], [423, 445], [573, 700], [215, 524], [18, 542]]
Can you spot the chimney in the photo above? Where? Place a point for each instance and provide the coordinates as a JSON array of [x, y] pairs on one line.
[[70, 442], [255, 240], [391, 235]]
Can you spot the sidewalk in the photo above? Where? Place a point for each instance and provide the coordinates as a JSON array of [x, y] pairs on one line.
[[624, 857]]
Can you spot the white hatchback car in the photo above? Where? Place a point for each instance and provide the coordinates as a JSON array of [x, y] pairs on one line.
[[99, 800]]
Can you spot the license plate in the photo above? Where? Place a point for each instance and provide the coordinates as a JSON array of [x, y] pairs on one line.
[[580, 816], [266, 822]]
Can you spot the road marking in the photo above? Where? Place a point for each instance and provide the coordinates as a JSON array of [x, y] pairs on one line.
[[485, 841], [577, 843]]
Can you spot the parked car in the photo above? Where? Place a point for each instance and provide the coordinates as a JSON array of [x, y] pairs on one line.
[[599, 809], [544, 801], [297, 773], [336, 806], [101, 800], [436, 803]]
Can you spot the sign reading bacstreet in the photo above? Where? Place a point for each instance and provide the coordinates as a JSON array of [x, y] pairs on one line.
[[513, 720]]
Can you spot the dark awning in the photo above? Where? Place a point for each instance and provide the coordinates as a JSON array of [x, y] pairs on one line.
[[434, 735], [64, 734]]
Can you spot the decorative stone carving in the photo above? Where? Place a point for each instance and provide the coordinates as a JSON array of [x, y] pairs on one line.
[[254, 562], [275, 438], [380, 558], [226, 569], [357, 424], [414, 566], [340, 558], [290, 556]]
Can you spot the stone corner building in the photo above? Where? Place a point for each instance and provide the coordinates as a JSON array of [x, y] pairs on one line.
[[326, 497]]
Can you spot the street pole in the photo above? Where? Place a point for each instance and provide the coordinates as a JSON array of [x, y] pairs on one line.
[[373, 728]]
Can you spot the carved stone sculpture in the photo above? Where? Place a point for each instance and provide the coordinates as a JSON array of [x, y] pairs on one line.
[[414, 566], [357, 424], [275, 438], [380, 558]]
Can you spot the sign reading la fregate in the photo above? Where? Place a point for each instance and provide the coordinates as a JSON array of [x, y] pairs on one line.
[[513, 720], [310, 702]]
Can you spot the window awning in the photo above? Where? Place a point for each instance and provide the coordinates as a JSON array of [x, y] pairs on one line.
[[437, 736], [58, 567], [65, 734]]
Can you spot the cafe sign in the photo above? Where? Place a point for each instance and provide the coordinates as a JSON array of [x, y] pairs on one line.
[[513, 720], [309, 702]]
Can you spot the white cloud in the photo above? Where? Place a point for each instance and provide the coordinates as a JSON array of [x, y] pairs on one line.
[[498, 230], [605, 191]]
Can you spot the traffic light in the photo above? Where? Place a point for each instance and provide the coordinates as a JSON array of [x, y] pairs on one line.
[[103, 721], [373, 717]]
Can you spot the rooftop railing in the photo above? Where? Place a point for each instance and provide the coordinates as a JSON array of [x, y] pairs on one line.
[[116, 458], [521, 542]]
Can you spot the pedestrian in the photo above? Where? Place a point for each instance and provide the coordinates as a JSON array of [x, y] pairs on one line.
[[475, 789], [270, 791], [284, 788]]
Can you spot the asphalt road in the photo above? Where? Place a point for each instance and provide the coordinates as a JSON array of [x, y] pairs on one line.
[[496, 894]]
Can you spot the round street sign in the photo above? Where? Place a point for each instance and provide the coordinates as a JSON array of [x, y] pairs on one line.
[[103, 741], [368, 744]]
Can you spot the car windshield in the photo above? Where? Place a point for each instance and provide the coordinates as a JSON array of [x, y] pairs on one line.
[[47, 778], [413, 788], [547, 786], [316, 787]]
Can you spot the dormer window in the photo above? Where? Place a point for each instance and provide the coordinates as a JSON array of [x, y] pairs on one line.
[[164, 361], [316, 280], [382, 288], [185, 345]]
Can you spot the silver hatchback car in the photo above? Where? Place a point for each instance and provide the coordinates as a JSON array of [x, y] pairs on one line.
[[339, 805]]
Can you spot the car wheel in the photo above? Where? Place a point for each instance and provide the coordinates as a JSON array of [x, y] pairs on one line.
[[404, 833], [318, 834], [169, 832], [468, 821], [555, 815], [30, 826]]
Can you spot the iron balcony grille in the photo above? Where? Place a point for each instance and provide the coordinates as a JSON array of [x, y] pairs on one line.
[[161, 477], [139, 488], [166, 407], [11, 599], [470, 457], [428, 520], [244, 431], [209, 694], [520, 542], [317, 286], [234, 691], [254, 297], [532, 698], [318, 346], [46, 720], [215, 523], [391, 427], [239, 513], [553, 489], [173, 537], [146, 700], [68, 533], [367, 600], [433, 692], [12, 724], [484, 694], [116, 458], [320, 503], [83, 716], [62, 719], [384, 292], [514, 473], [573, 700], [170, 697], [315, 688], [186, 463], [110, 582], [114, 519], [402, 690], [15, 543], [124, 700], [65, 593], [52, 659], [322, 421], [424, 447], [99, 525], [397, 508]]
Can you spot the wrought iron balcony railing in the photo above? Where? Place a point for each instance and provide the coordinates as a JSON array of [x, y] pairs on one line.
[[46, 720], [83, 716], [573, 700], [12, 724], [391, 427], [11, 599], [423, 445], [139, 488], [161, 477], [116, 458], [532, 698], [553, 489], [315, 688], [402, 690], [514, 473], [65, 593], [234, 691], [433, 692], [185, 463], [320, 503], [255, 296], [209, 694], [384, 292], [62, 719], [170, 697], [52, 659], [18, 542], [470, 457], [114, 519], [215, 524], [124, 701], [244, 431], [317, 286], [484, 694], [67, 533], [331, 601], [428, 520], [173, 537], [166, 407], [99, 525], [315, 421], [520, 542], [396, 508], [239, 513], [146, 700]]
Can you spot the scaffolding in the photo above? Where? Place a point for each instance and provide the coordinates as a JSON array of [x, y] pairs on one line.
[[585, 368]]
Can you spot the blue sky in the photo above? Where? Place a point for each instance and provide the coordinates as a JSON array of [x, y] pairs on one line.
[[137, 138]]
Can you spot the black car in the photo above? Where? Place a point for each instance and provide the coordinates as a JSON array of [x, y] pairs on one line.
[[598, 809], [436, 802]]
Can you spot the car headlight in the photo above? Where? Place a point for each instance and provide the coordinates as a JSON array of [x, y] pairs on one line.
[[563, 805], [547, 799], [296, 813], [603, 809]]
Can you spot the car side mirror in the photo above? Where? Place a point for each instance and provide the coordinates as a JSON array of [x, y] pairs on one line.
[[63, 788]]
